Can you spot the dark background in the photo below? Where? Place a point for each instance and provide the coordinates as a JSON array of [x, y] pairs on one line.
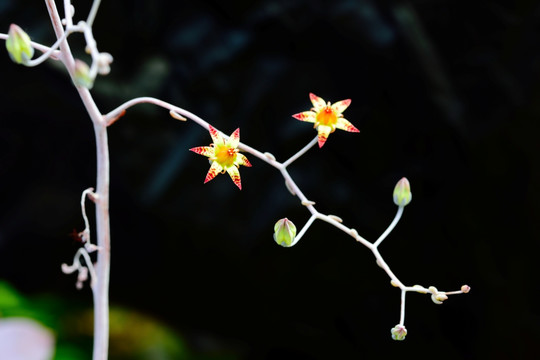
[[444, 93]]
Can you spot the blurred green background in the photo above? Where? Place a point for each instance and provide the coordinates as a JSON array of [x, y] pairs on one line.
[[444, 93]]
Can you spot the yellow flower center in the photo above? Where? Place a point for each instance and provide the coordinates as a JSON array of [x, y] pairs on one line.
[[327, 116], [225, 155]]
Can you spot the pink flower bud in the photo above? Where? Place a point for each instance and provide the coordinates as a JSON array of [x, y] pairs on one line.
[[402, 192], [18, 45], [284, 232], [398, 332], [81, 75]]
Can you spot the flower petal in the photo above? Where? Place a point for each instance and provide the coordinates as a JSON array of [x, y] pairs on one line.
[[340, 106], [234, 139], [345, 125], [324, 131], [308, 116], [317, 101], [235, 176], [214, 170], [242, 160], [203, 150], [216, 136]]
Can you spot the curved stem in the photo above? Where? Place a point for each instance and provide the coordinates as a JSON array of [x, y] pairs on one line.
[[391, 227], [52, 49]]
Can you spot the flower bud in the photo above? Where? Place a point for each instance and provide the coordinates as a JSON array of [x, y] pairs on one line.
[[402, 192], [81, 75], [284, 232], [18, 45], [398, 332], [438, 298], [104, 63]]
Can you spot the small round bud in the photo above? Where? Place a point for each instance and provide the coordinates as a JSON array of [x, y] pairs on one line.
[[465, 289], [81, 75], [438, 298], [18, 45], [398, 332], [284, 232], [104, 61], [402, 192]]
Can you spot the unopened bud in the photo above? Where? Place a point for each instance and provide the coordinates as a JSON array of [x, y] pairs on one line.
[[81, 75], [402, 192], [438, 298], [104, 63], [284, 232], [398, 332], [18, 45], [465, 289]]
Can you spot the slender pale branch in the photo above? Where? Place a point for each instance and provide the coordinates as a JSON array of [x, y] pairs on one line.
[[402, 308], [301, 152], [101, 290], [304, 229], [93, 12], [391, 227]]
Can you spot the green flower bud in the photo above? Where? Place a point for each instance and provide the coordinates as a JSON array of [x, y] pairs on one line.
[[81, 75], [18, 45], [402, 192], [398, 332], [284, 232]]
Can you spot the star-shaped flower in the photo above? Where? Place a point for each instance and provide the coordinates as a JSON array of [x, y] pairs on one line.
[[326, 117], [224, 156]]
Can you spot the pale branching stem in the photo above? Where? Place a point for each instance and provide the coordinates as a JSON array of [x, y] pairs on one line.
[[391, 227], [53, 48], [92, 48], [101, 289]]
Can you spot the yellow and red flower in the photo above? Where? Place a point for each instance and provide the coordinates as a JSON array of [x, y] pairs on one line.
[[326, 117], [224, 156]]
